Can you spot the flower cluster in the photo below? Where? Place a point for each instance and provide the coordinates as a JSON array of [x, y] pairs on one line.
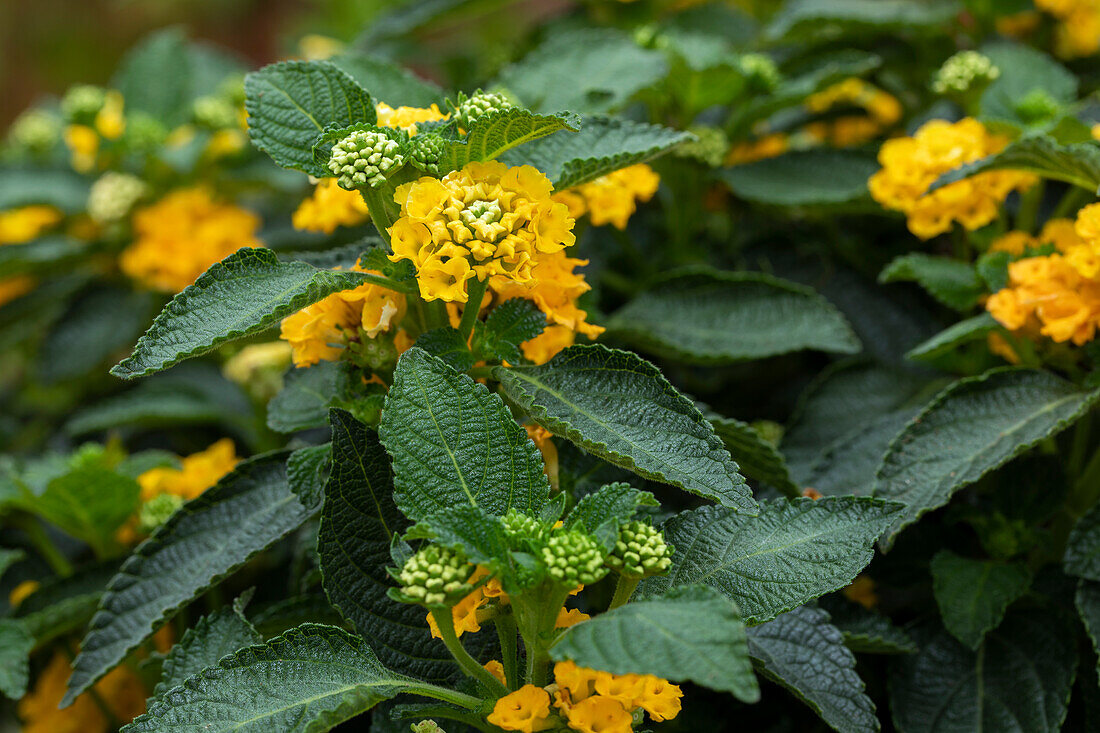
[[197, 473], [882, 112], [406, 118], [612, 198], [763, 147], [27, 222], [93, 114], [328, 207], [324, 330], [120, 690], [485, 221], [113, 195], [1056, 295], [587, 700], [1078, 31], [181, 235], [911, 164], [963, 71]]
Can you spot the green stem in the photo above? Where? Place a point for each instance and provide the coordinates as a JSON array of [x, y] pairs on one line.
[[1028, 212], [473, 306], [1073, 199], [408, 288], [624, 589], [445, 694], [1087, 489], [383, 213], [536, 615], [482, 372], [445, 621], [45, 546], [506, 632]]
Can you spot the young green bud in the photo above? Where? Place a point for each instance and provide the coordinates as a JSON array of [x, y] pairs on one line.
[[470, 109], [573, 558], [427, 726], [640, 551], [363, 158], [709, 147], [156, 511], [1037, 106], [435, 576], [113, 195], [144, 132], [761, 71], [521, 526], [425, 150], [214, 112], [83, 102], [964, 72], [35, 129]]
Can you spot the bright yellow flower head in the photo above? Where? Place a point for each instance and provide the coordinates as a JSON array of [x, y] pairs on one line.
[[496, 669], [109, 121], [180, 236], [613, 198], [527, 709], [329, 207], [197, 473], [407, 117], [27, 222], [1049, 294], [578, 682], [321, 331], [599, 715], [83, 144], [1078, 30], [1015, 242], [911, 164], [121, 690], [570, 617], [768, 146], [484, 221]]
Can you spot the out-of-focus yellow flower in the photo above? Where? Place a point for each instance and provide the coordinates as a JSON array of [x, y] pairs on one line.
[[1078, 30], [320, 332], [883, 111], [15, 287], [180, 236], [484, 221], [911, 164], [1017, 25], [1059, 232], [1015, 242], [570, 617], [83, 144], [120, 690], [329, 207], [315, 47], [27, 222], [999, 345], [224, 143], [197, 473], [613, 198], [862, 591], [407, 117], [548, 344], [20, 592], [109, 121], [527, 709], [767, 146]]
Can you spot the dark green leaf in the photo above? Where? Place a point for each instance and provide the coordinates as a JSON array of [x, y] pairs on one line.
[[510, 324], [866, 631], [496, 133], [951, 338], [602, 512], [98, 325], [41, 255], [972, 427], [806, 654], [387, 82], [480, 535], [792, 553], [803, 18], [307, 395], [290, 103], [692, 633], [307, 471], [1077, 163], [1082, 556], [973, 595], [63, 189], [89, 503], [713, 317], [213, 637], [446, 343], [208, 538], [16, 644], [453, 442], [954, 283], [1023, 71], [1088, 606], [803, 178], [758, 459], [619, 407]]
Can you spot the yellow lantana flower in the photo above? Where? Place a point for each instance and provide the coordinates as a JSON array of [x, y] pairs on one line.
[[407, 117], [180, 236], [527, 709], [329, 207], [599, 715], [883, 111], [613, 198], [570, 617], [197, 473], [27, 222], [120, 689], [83, 144], [1050, 294], [911, 164], [496, 669], [766, 146], [1078, 30], [660, 698], [109, 121], [484, 221]]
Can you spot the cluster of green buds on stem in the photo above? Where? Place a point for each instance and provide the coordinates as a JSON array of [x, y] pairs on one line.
[[435, 576], [963, 73], [640, 551], [83, 102], [760, 71], [470, 109], [113, 195], [157, 510], [425, 151], [215, 112], [709, 147], [573, 558], [364, 157], [35, 130]]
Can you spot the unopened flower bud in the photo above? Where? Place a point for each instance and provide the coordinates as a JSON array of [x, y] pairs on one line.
[[435, 576], [35, 129], [963, 72], [710, 146], [573, 558], [363, 158], [83, 102], [157, 510], [214, 112], [640, 551], [761, 71], [470, 109], [425, 150]]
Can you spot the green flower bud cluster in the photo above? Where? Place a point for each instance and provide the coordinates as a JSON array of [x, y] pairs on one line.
[[573, 558], [214, 112], [377, 353], [427, 726], [520, 526], [760, 70], [35, 129], [157, 510], [113, 195], [470, 109], [144, 132], [425, 150], [709, 147], [961, 72], [640, 551], [82, 102], [1037, 106], [363, 158], [435, 576]]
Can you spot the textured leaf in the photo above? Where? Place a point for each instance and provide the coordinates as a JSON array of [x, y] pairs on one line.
[[387, 82], [1082, 556], [358, 522], [62, 189], [806, 654], [602, 512], [480, 535], [162, 56], [954, 283], [972, 427], [447, 344], [973, 595], [803, 178], [619, 407], [509, 325], [16, 644], [946, 341], [307, 395], [213, 637], [97, 326], [1023, 70], [307, 472], [1088, 606], [585, 70], [89, 503], [208, 538], [453, 442], [792, 553], [494, 134], [1077, 164], [712, 317], [600, 146], [809, 17], [290, 103], [247, 292], [1018, 681], [866, 631], [308, 680], [692, 633], [758, 459]]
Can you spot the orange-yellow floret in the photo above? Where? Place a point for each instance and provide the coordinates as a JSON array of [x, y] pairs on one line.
[[612, 198], [527, 709]]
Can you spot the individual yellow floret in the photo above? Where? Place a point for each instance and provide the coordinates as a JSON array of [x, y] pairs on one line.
[[527, 709]]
